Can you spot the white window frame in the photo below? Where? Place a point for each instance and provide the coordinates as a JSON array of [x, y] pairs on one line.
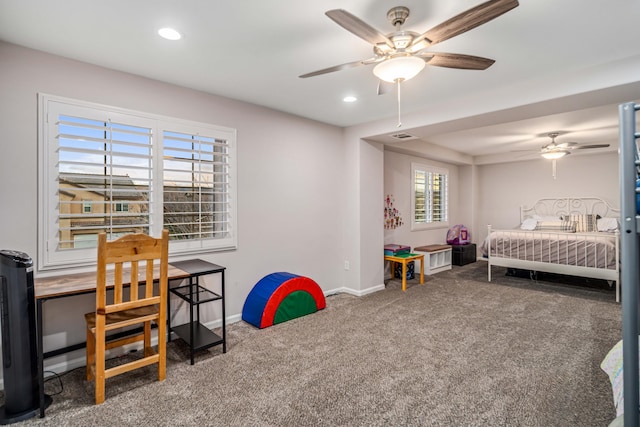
[[428, 225], [49, 256]]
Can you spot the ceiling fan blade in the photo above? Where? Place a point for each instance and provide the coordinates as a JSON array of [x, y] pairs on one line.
[[342, 67], [456, 60], [467, 20], [566, 144], [582, 147], [358, 27]]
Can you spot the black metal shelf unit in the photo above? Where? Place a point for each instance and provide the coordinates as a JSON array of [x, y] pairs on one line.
[[194, 333]]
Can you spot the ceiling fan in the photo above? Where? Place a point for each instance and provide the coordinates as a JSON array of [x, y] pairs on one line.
[[401, 55], [555, 150]]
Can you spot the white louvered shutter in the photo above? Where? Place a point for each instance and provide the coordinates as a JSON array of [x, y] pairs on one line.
[[197, 200]]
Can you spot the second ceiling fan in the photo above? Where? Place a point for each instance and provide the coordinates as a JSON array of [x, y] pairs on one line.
[[555, 150]]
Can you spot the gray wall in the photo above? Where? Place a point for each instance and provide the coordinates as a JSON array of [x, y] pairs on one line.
[[397, 182], [492, 194], [505, 187], [310, 194], [291, 174]]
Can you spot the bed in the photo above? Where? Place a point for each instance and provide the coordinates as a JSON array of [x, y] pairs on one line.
[[577, 236], [612, 365]]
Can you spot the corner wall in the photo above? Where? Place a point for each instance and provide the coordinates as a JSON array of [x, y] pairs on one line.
[[362, 209], [291, 176]]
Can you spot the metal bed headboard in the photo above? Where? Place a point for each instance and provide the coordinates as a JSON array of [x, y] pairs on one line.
[[560, 206]]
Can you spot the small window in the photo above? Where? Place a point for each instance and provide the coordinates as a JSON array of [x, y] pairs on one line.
[[122, 207], [429, 197], [86, 207]]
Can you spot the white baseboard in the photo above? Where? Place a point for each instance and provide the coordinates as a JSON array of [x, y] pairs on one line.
[[355, 292]]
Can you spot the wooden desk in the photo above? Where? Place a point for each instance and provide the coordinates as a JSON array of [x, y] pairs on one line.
[[84, 283], [67, 285], [404, 259]]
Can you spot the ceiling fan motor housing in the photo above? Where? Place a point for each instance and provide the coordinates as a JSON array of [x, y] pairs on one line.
[[398, 15]]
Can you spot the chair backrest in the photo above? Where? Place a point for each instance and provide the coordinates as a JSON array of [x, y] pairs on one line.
[[136, 259]]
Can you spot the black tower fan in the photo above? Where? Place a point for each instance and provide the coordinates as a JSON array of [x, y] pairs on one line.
[[19, 351]]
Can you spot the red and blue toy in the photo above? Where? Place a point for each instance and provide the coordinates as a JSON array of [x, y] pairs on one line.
[[279, 297]]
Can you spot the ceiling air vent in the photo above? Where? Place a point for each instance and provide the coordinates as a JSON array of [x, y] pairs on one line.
[[403, 136]]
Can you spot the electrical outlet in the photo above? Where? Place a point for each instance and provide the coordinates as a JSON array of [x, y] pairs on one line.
[[346, 265]]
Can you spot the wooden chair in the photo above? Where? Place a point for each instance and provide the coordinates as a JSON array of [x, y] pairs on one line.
[[139, 251]]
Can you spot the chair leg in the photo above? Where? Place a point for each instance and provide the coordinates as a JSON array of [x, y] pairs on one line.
[[147, 339], [91, 354], [100, 359], [162, 350]]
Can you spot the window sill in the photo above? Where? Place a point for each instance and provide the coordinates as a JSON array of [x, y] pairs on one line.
[[435, 226]]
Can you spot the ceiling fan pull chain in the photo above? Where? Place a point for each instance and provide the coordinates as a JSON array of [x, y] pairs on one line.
[[553, 168], [399, 120]]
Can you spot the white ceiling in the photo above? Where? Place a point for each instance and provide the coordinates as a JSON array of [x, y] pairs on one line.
[[555, 61]]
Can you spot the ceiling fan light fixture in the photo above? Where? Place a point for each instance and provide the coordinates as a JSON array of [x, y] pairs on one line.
[[556, 154], [400, 68]]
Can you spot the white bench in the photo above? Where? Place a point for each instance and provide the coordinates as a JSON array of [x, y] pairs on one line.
[[437, 258]]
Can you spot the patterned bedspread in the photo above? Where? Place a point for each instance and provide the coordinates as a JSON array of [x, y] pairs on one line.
[[612, 365]]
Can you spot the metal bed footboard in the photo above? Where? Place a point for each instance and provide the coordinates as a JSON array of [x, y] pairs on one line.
[[593, 255]]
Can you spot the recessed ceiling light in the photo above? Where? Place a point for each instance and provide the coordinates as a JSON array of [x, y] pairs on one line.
[[169, 33], [349, 99]]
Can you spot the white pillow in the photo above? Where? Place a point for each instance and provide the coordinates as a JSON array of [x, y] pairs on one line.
[[607, 224], [529, 224]]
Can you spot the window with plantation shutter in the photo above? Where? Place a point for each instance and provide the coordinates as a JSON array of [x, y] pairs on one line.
[[102, 165], [119, 171], [429, 197], [196, 186]]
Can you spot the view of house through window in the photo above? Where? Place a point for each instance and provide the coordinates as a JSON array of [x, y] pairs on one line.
[[123, 172], [195, 186], [102, 166], [429, 201]]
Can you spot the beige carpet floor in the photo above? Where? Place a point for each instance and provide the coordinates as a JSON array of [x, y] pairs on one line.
[[457, 351]]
